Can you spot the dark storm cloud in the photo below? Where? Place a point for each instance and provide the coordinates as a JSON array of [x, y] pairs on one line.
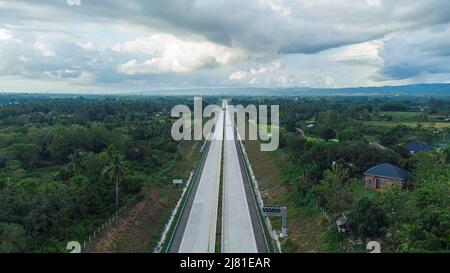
[[300, 26], [413, 34], [413, 54]]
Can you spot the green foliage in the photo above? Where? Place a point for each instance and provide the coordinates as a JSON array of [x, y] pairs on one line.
[[412, 220], [393, 106], [330, 118], [332, 191], [76, 161], [429, 216], [327, 134], [27, 154], [58, 177], [446, 155], [67, 139], [53, 153], [12, 238], [304, 197], [333, 238], [115, 170], [351, 134], [298, 172], [368, 220], [313, 159]]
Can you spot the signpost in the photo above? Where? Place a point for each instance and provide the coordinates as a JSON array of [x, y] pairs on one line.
[[277, 211]]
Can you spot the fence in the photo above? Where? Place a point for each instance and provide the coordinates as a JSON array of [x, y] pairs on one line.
[[111, 220]]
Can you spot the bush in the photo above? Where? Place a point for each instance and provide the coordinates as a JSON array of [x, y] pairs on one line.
[[367, 220], [12, 238], [327, 134]]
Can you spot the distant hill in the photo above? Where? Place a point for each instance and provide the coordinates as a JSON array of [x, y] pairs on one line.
[[416, 90]]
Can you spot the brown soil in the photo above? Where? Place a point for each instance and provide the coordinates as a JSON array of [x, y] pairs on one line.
[[132, 231], [139, 229]]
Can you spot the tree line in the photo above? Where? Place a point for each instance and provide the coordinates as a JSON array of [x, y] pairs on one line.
[[67, 164]]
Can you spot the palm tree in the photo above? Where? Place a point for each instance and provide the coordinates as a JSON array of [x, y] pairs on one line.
[[115, 171], [75, 165]]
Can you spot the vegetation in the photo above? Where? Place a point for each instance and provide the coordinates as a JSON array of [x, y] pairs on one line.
[[67, 164], [329, 174]]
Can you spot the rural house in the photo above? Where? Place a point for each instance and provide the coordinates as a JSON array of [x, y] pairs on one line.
[[382, 176], [418, 146]]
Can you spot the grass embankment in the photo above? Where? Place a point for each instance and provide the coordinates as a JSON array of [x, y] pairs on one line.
[[306, 227], [139, 229]]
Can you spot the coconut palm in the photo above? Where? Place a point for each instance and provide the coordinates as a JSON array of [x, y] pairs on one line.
[[76, 162], [115, 171]]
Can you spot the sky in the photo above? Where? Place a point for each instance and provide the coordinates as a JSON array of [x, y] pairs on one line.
[[122, 46]]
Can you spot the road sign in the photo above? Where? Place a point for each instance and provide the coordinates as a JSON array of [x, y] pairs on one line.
[[177, 181], [276, 211]]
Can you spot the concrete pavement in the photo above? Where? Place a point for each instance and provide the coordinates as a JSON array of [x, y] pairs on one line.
[[200, 231], [237, 229], [241, 228]]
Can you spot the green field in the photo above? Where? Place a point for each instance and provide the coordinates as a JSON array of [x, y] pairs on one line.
[[409, 124], [401, 116]]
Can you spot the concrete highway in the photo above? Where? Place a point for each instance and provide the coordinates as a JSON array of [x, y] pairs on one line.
[[200, 231], [241, 230], [237, 228]]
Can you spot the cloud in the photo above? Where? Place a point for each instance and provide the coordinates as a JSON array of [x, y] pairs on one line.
[[367, 52], [44, 49], [373, 2], [251, 74], [330, 82], [285, 81], [416, 54], [269, 74], [170, 54], [5, 35], [47, 57], [302, 26], [147, 44]]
